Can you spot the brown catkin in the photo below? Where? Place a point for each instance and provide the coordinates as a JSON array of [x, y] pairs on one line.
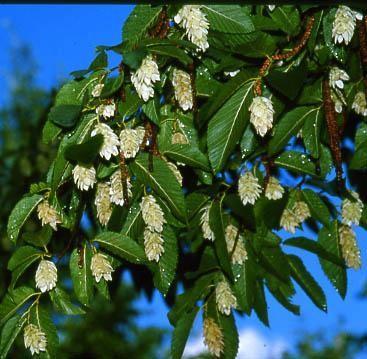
[[276, 57], [124, 177], [333, 131]]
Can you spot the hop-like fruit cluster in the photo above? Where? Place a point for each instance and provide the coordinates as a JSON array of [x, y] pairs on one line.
[[48, 215], [292, 218], [262, 113], [101, 267], [359, 104], [154, 220], [350, 250], [194, 21], [213, 337], [204, 221], [130, 141], [344, 24], [34, 339], [273, 189], [110, 140], [181, 81], [352, 210], [145, 77], [46, 275], [103, 203], [249, 188], [239, 255], [84, 177], [117, 189], [225, 298]]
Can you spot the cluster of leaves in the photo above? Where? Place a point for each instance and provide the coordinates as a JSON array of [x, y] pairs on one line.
[[220, 143]]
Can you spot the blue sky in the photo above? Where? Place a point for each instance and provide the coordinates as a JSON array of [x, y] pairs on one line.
[[63, 39]]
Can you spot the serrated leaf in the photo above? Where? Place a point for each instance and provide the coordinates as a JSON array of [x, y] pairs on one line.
[[162, 181], [21, 260], [122, 246], [81, 274], [100, 62], [112, 85], [244, 284], [20, 214], [257, 44], [329, 240], [13, 301], [62, 168], [217, 226], [165, 272], [287, 18], [318, 208], [11, 330], [65, 115], [359, 159], [311, 132], [63, 303], [296, 162], [181, 333], [260, 305], [130, 105], [151, 109], [314, 247], [226, 127], [172, 51], [228, 18], [307, 282], [85, 152], [140, 20], [288, 126]]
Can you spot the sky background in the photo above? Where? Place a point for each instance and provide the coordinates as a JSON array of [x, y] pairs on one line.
[[63, 39]]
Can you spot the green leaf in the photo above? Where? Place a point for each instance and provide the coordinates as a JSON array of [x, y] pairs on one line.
[[288, 126], [50, 132], [189, 155], [85, 152], [11, 330], [172, 51], [151, 109], [13, 301], [287, 18], [42, 318], [249, 142], [257, 44], [245, 283], [20, 214], [359, 159], [296, 162], [337, 274], [100, 62], [227, 125], [81, 274], [260, 305], [181, 333], [318, 208], [122, 246], [162, 181], [62, 168], [225, 91], [21, 260], [167, 264], [311, 132], [140, 20], [228, 18], [112, 85], [217, 226], [130, 105], [290, 82], [314, 247], [230, 335], [63, 304], [307, 282], [311, 93], [65, 115]]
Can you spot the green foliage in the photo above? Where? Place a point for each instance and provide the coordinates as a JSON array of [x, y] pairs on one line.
[[187, 146]]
